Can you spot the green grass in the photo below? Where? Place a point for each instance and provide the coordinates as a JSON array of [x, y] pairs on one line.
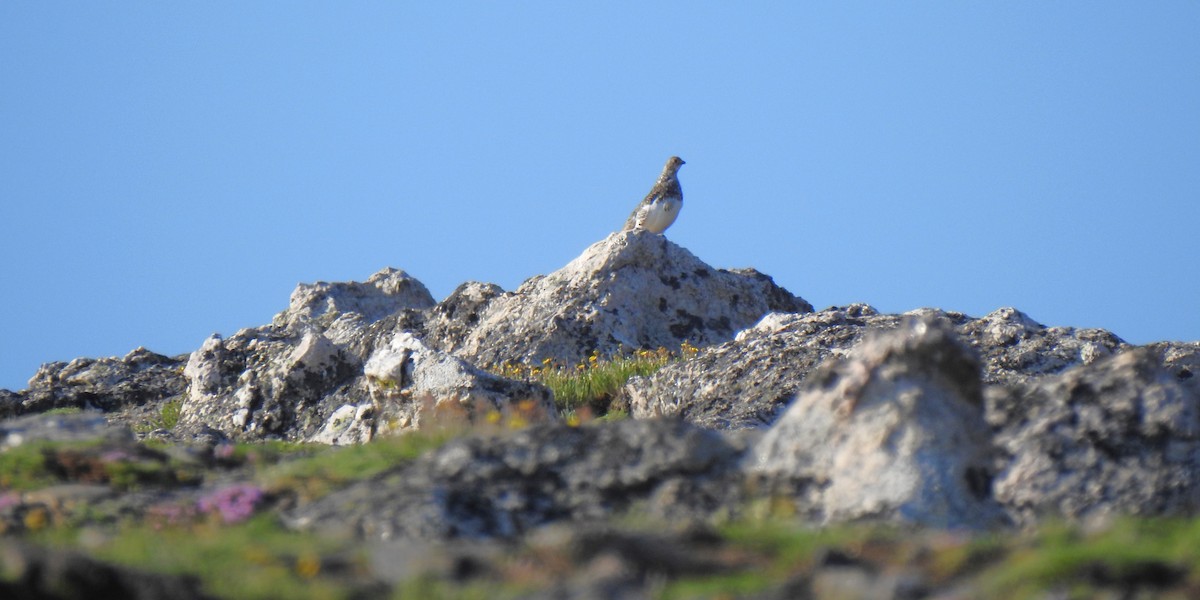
[[257, 559], [592, 384], [326, 469], [1064, 557], [24, 468], [65, 410], [1058, 558], [168, 417], [40, 464]]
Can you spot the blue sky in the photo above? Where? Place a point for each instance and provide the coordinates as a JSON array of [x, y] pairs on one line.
[[171, 170]]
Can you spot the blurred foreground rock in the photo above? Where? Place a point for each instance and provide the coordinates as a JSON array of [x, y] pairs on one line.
[[894, 431], [508, 485], [36, 573]]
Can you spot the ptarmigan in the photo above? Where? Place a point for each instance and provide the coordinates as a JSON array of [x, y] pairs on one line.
[[662, 204]]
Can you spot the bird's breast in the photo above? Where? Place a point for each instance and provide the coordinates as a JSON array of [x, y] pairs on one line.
[[661, 214]]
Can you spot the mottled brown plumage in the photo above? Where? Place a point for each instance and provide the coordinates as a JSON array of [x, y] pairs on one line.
[[660, 207]]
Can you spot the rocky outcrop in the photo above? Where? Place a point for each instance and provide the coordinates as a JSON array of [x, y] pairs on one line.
[[504, 486], [346, 361], [324, 305], [748, 381], [106, 384], [1118, 436], [630, 290], [894, 431], [886, 418], [88, 427], [407, 380], [268, 383]]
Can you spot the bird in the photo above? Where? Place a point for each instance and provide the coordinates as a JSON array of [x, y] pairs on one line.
[[660, 207]]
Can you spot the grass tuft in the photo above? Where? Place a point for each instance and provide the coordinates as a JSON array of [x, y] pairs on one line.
[[591, 385]]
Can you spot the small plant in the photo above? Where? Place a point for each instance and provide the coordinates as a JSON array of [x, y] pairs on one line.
[[168, 417]]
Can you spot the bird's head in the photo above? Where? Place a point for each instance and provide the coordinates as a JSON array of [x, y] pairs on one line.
[[673, 164]]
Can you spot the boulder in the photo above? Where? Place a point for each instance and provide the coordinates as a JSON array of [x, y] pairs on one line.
[[344, 362], [83, 427], [1181, 360], [322, 304], [630, 290], [1015, 349], [407, 380], [448, 324], [107, 384], [268, 383], [746, 382], [1118, 436], [503, 486], [895, 431]]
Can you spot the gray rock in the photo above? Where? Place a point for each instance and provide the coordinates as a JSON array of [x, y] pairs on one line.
[[895, 431], [408, 380], [1017, 349], [268, 383], [107, 384], [503, 486], [329, 368], [10, 403], [448, 324], [1119, 436], [630, 290], [322, 304], [748, 381], [90, 427], [1182, 360]]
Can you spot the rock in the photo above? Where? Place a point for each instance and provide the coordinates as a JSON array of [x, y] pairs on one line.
[[107, 384], [630, 290], [332, 367], [268, 383], [480, 486], [748, 381], [320, 305], [35, 572], [82, 427], [10, 403], [1182, 360], [407, 379], [1118, 436], [895, 431], [1017, 349], [450, 322]]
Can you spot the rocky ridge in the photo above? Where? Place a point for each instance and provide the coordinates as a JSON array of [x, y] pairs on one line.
[[930, 418]]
